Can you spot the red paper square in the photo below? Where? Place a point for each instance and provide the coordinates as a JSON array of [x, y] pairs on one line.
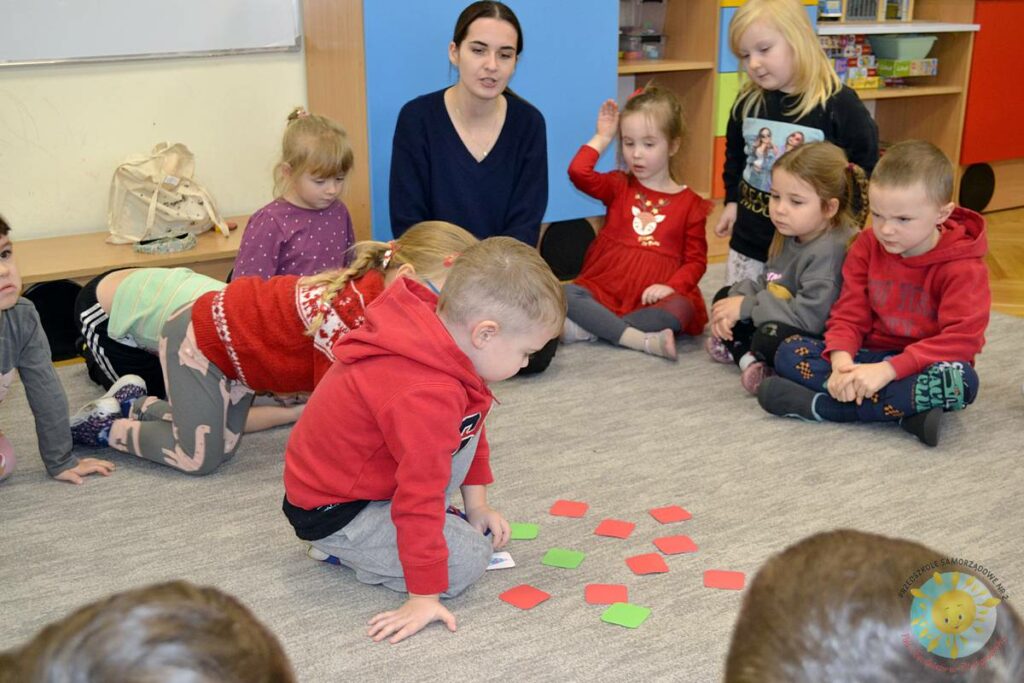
[[716, 578], [669, 514], [651, 563], [569, 508], [673, 545], [524, 596], [615, 528], [605, 593]]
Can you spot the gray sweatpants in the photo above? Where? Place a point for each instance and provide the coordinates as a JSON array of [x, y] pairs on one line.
[[586, 312], [369, 543], [200, 424]]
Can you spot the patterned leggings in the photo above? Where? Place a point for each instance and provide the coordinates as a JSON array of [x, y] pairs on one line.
[[946, 385], [200, 424]]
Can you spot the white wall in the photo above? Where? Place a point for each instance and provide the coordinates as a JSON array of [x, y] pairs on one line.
[[64, 128]]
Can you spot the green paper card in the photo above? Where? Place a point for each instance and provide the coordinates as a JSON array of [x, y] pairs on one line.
[[560, 557], [626, 614], [523, 532]]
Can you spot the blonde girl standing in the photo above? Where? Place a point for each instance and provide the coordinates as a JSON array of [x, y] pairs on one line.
[[789, 87], [638, 286], [260, 336], [813, 190], [307, 228]]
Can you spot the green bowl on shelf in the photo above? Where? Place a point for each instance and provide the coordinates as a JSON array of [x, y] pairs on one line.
[[901, 45]]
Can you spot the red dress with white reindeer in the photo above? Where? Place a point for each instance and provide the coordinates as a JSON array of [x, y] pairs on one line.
[[649, 237]]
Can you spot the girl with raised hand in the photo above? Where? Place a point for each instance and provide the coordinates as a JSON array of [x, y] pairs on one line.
[[638, 286]]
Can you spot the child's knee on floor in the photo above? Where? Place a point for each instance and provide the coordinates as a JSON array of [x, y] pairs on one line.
[[469, 553]]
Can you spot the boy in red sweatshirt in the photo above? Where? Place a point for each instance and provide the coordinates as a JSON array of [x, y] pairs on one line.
[[397, 424], [901, 340]]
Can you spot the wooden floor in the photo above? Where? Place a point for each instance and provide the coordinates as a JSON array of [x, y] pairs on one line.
[[1006, 260], [1005, 257]]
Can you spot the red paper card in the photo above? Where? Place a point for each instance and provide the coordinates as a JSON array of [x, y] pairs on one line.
[[605, 593], [524, 596], [673, 545], [669, 514], [651, 563], [569, 508], [615, 528], [716, 578]]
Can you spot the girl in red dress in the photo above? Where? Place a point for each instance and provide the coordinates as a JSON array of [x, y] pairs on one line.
[[638, 287]]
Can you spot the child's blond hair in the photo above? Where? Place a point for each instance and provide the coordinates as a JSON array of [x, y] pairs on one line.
[[167, 632], [836, 607], [815, 79], [430, 247], [504, 280], [826, 169], [314, 144], [916, 161], [662, 107]]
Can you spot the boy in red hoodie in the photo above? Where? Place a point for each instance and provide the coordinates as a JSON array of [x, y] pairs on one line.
[[397, 424], [901, 340]]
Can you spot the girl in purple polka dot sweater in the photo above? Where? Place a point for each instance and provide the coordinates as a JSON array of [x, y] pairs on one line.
[[307, 228]]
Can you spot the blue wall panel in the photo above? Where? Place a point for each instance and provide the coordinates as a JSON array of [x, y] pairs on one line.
[[568, 67]]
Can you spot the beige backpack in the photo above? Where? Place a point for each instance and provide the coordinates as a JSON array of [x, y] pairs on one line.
[[155, 196]]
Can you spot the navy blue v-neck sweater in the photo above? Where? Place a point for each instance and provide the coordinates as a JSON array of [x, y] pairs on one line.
[[434, 176]]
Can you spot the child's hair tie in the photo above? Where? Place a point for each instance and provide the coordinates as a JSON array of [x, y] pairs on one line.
[[392, 249], [298, 113], [638, 91], [449, 260]]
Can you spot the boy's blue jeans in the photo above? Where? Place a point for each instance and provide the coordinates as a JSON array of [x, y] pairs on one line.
[[946, 385]]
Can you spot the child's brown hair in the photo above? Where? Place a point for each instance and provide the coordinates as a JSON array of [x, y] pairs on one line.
[[167, 632], [663, 108], [836, 607], [825, 168], [4, 228], [314, 144], [503, 279], [430, 247], [916, 161]]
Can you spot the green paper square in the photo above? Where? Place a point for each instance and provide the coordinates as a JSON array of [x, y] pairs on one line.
[[560, 557], [626, 614], [523, 532]]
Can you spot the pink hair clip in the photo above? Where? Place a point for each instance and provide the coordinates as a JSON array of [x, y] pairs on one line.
[[392, 249], [638, 91], [450, 259]]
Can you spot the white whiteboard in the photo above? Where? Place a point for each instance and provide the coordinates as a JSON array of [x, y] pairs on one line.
[[48, 31]]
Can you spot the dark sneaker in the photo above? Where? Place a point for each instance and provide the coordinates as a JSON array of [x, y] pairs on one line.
[[925, 426], [782, 397], [91, 424], [754, 374], [717, 349], [125, 390]]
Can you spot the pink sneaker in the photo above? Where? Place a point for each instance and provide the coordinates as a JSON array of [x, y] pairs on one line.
[[751, 377], [717, 349]]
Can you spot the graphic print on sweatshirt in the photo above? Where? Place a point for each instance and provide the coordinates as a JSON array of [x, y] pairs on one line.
[[467, 429], [647, 214], [765, 141]]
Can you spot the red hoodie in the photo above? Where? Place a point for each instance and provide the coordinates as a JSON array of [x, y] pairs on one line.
[[384, 423], [932, 307]]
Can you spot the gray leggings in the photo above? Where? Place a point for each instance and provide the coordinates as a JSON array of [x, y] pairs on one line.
[[586, 312], [200, 424], [369, 543]]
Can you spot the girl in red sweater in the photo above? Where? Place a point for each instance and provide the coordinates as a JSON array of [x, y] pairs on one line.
[[638, 287], [271, 336]]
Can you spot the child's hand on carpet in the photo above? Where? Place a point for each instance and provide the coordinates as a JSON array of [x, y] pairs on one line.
[[410, 618], [84, 468]]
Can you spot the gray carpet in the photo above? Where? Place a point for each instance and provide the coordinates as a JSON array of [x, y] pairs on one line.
[[622, 431]]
